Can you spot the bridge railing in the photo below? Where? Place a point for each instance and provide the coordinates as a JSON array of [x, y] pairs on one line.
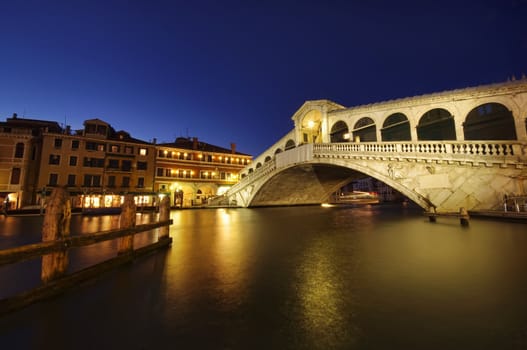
[[486, 149], [267, 168], [500, 152]]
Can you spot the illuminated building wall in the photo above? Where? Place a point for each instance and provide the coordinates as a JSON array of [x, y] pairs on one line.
[[191, 171], [20, 145], [97, 165]]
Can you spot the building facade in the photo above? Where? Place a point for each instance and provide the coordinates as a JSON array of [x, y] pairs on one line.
[[20, 150], [192, 172], [99, 165]]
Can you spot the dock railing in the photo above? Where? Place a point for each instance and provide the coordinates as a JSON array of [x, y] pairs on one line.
[[56, 241]]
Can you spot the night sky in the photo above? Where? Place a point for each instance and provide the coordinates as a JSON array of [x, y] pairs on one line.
[[236, 71]]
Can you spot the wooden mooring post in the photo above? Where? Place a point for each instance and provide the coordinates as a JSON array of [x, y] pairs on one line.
[[463, 216], [125, 245], [56, 227], [56, 241], [164, 214]]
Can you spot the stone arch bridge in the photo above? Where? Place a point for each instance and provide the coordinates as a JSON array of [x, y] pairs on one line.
[[461, 148]]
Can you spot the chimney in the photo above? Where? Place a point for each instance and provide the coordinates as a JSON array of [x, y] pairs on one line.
[[233, 148], [194, 143], [15, 115], [154, 140]]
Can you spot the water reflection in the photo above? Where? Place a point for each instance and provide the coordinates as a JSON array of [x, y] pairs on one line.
[[308, 277], [322, 296], [230, 256], [19, 230]]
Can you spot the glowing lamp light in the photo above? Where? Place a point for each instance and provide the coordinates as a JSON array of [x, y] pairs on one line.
[[310, 124]]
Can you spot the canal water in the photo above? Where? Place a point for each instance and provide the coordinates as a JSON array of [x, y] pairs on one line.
[[379, 277]]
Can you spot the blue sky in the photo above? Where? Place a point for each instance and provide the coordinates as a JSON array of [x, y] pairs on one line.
[[236, 71]]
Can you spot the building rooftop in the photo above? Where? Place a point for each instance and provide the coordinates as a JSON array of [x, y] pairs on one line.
[[194, 144], [16, 122]]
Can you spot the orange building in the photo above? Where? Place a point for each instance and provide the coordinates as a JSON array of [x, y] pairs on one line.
[[20, 149], [98, 165], [191, 171]]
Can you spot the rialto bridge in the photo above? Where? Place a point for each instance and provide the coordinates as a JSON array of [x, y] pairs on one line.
[[462, 148]]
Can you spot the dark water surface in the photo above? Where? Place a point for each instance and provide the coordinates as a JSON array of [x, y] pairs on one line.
[[292, 278]]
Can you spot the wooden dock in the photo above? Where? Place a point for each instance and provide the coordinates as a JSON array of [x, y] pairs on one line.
[[57, 241]]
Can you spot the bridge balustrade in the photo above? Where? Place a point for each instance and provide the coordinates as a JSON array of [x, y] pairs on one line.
[[265, 169], [491, 152], [470, 148]]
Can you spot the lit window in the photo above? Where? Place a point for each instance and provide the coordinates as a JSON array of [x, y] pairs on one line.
[[142, 151]]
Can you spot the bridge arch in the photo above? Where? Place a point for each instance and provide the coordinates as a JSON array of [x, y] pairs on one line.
[[388, 179], [267, 159], [289, 144], [258, 165], [278, 150], [365, 130], [314, 184], [396, 127], [436, 125], [490, 121], [339, 132]]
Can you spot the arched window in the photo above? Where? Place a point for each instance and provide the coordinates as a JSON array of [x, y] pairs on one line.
[[267, 159], [436, 124], [490, 121], [396, 128], [289, 144], [251, 170], [278, 150], [364, 130], [19, 150], [339, 132], [258, 165]]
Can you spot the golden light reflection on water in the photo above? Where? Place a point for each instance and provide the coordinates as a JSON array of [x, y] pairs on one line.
[[214, 244], [229, 256], [322, 297]]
